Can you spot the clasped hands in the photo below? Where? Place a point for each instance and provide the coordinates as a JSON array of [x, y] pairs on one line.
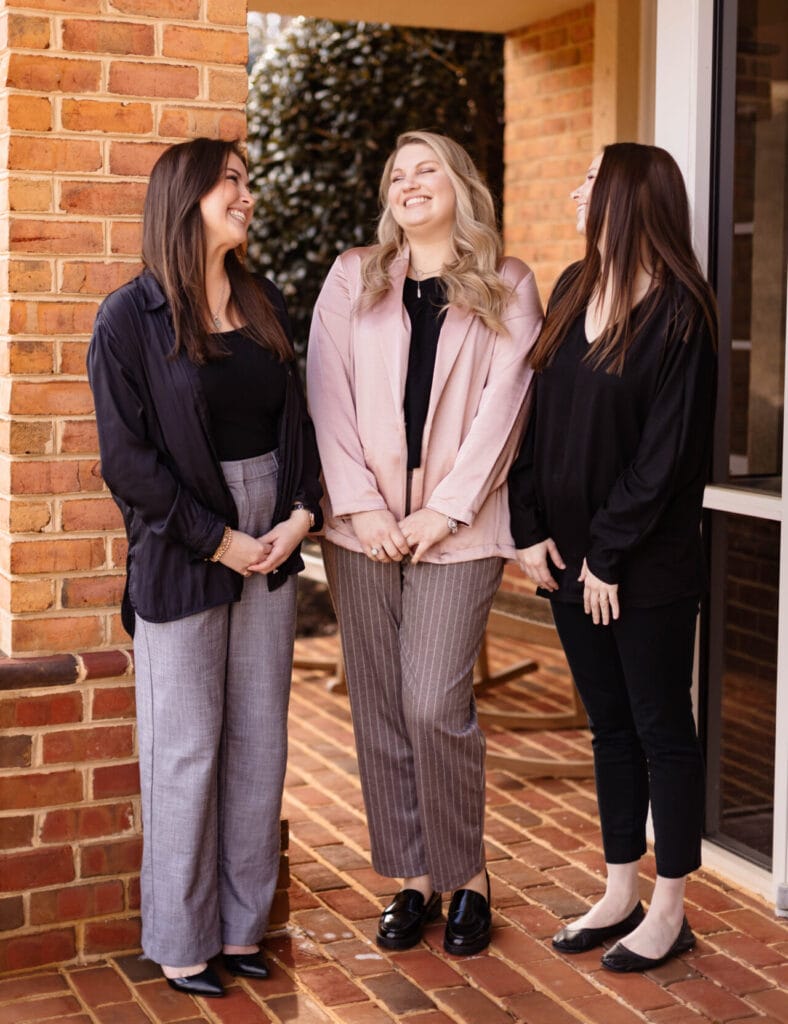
[[600, 599], [384, 539], [247, 554]]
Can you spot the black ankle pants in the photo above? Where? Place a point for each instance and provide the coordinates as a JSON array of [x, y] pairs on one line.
[[634, 678]]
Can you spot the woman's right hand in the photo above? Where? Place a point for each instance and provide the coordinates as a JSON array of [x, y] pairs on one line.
[[244, 551], [533, 562], [380, 536]]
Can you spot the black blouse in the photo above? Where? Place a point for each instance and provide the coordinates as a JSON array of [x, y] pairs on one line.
[[613, 467], [424, 301], [245, 393]]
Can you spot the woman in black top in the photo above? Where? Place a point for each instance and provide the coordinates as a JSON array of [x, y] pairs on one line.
[[208, 450], [605, 499]]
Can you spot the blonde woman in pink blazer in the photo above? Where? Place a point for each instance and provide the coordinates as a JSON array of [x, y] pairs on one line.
[[417, 374]]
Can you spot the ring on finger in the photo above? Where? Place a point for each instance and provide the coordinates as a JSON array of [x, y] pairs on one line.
[[374, 552]]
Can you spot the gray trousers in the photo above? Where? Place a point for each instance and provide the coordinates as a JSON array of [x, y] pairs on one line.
[[410, 636], [212, 697]]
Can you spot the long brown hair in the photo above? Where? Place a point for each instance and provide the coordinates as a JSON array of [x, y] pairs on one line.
[[173, 250], [471, 279], [638, 214]]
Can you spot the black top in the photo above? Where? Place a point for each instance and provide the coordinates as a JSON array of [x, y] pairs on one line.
[[613, 468], [159, 462], [426, 320], [245, 393]]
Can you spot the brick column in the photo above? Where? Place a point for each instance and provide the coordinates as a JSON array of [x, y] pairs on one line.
[[90, 99], [92, 90], [548, 142]]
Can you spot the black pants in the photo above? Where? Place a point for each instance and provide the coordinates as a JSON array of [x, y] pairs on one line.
[[634, 678]]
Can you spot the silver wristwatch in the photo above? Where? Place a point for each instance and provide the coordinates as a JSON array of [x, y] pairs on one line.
[[299, 506], [452, 524]]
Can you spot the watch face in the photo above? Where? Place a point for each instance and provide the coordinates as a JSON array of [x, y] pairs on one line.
[[299, 506]]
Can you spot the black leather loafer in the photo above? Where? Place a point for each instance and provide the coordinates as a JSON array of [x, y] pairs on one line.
[[619, 958], [402, 922], [246, 965], [582, 939], [205, 984], [468, 923]]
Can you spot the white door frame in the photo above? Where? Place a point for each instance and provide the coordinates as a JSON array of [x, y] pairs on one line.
[[682, 125]]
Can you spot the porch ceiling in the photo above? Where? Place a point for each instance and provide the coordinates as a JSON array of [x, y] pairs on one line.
[[498, 16]]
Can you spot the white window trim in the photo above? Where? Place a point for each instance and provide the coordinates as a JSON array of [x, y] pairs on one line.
[[682, 125]]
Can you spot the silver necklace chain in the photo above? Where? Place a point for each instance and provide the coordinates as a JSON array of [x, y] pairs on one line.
[[217, 320], [421, 274]]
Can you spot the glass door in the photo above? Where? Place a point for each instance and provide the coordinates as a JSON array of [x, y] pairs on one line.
[[743, 640]]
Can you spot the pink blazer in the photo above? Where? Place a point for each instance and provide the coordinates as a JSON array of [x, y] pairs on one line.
[[356, 368]]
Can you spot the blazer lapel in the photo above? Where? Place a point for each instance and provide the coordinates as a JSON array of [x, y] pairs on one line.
[[389, 325], [455, 328]]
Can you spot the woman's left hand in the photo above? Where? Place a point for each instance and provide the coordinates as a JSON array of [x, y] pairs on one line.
[[600, 599], [422, 529], [284, 538]]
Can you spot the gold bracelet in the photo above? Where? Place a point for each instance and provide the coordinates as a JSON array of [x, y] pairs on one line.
[[224, 544]]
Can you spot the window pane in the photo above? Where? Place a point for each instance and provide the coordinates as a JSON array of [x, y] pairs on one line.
[[759, 245], [743, 639]]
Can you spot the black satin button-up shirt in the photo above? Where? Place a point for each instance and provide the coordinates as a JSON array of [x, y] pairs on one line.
[[160, 464]]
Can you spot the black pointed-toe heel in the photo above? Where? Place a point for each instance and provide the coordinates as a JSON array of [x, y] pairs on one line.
[[619, 958], [582, 939], [246, 965], [468, 922], [403, 921], [205, 984]]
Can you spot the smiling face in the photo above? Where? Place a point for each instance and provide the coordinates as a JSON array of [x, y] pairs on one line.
[[420, 195], [582, 194], [227, 208]]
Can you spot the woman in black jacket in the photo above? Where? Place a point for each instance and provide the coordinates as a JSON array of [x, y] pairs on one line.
[[606, 497], [208, 450]]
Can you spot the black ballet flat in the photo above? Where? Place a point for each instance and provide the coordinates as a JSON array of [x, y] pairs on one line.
[[619, 958], [246, 965], [583, 939], [403, 921], [205, 984], [468, 922]]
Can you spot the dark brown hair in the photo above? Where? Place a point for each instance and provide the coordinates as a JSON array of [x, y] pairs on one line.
[[173, 250], [639, 212]]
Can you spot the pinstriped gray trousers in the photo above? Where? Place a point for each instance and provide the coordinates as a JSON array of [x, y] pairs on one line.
[[212, 697], [410, 637]]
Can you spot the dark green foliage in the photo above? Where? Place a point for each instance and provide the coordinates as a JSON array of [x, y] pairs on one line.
[[325, 108]]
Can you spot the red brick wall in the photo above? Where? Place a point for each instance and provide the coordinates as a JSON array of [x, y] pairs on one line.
[[69, 833], [548, 139], [90, 98], [93, 91]]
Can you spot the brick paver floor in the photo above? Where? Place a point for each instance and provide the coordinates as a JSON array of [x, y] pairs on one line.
[[544, 857]]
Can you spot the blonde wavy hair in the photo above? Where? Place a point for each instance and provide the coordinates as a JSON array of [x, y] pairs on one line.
[[471, 279]]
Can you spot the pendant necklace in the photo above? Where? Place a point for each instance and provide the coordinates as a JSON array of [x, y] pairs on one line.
[[217, 320], [420, 274]]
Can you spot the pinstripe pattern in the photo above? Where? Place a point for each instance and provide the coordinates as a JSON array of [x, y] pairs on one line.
[[410, 636]]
